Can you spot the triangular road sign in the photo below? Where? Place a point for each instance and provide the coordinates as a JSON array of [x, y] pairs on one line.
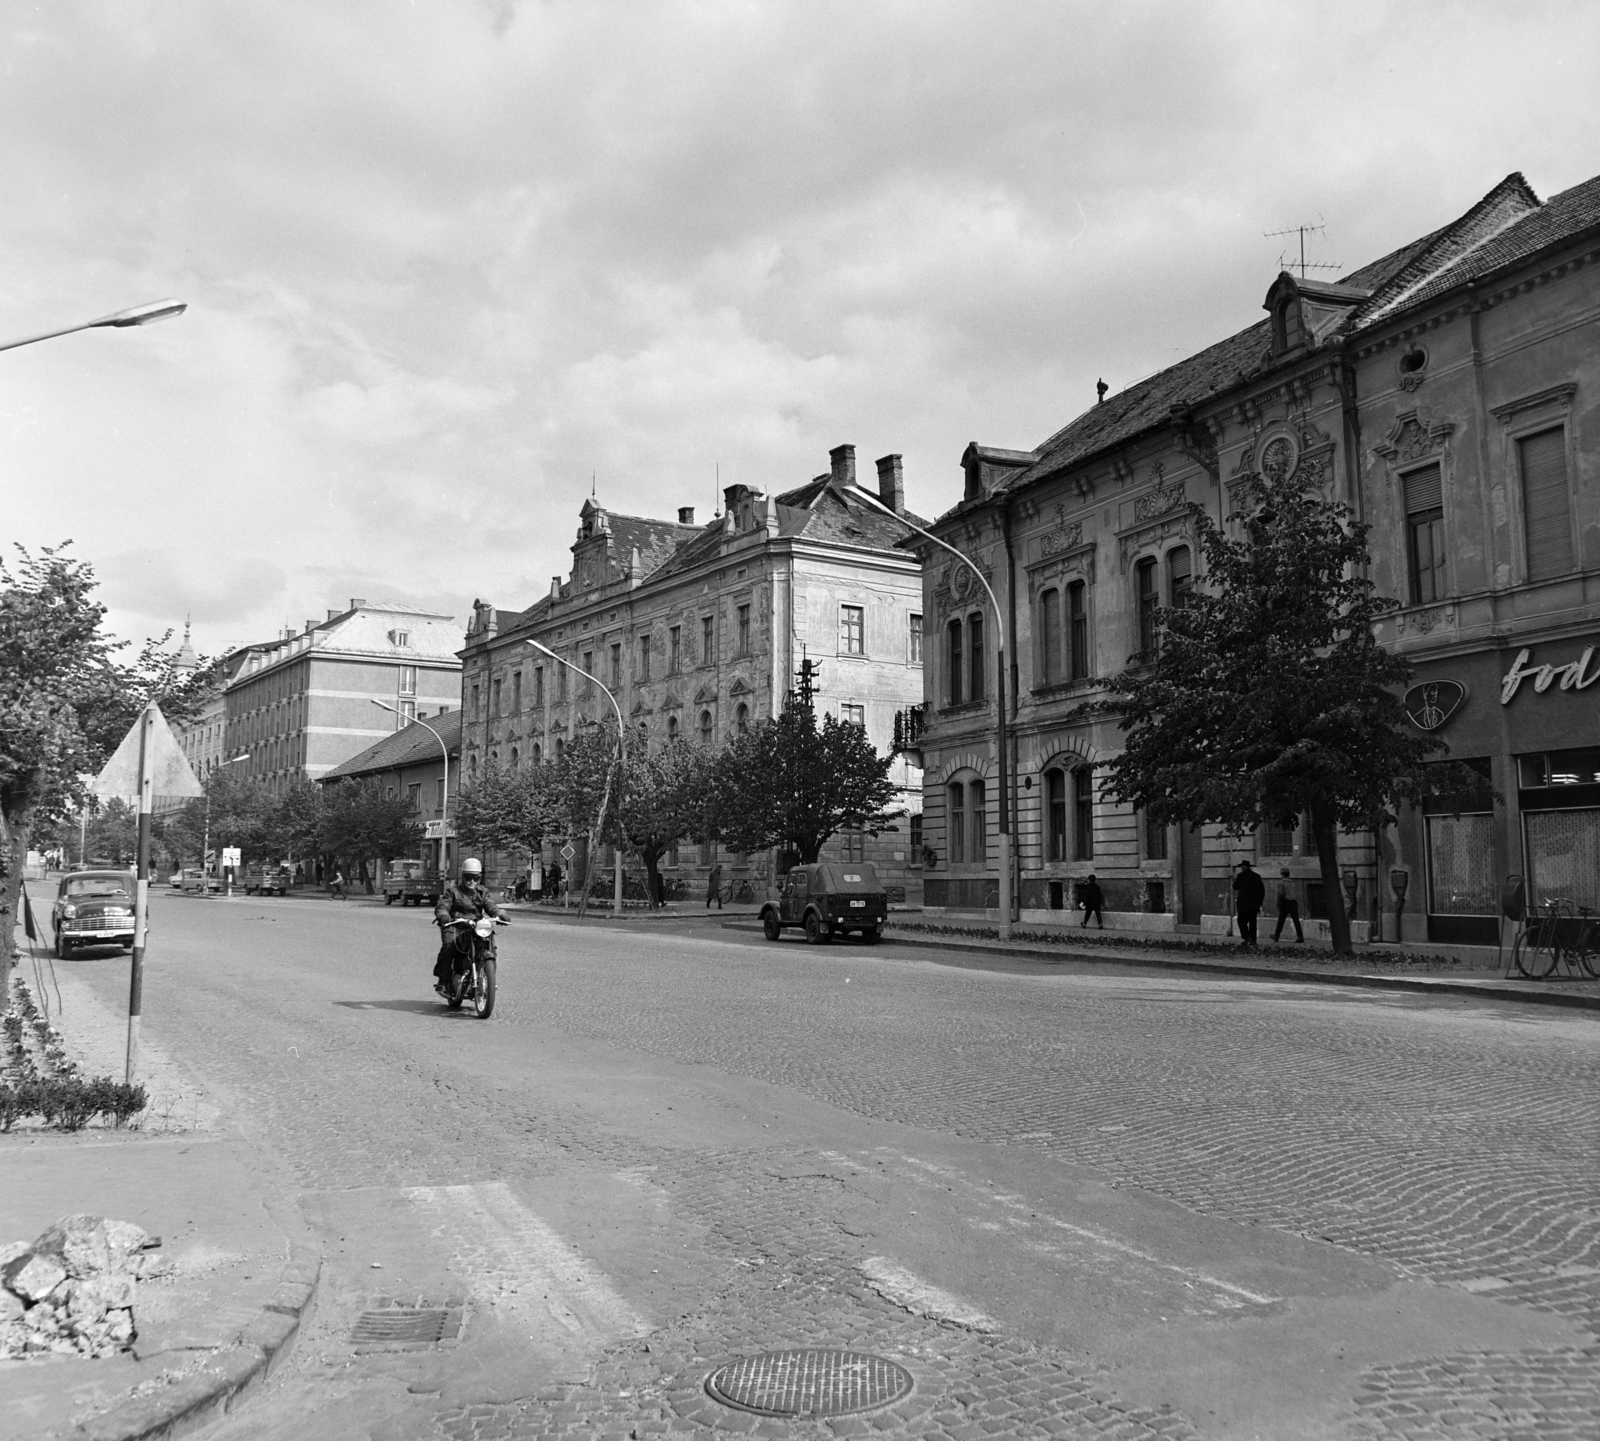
[[166, 765]]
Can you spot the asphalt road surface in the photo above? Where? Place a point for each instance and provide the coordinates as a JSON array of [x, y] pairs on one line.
[[1069, 1202]]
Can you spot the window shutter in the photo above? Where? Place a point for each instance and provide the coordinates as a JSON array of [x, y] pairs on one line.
[[1424, 491], [1546, 509]]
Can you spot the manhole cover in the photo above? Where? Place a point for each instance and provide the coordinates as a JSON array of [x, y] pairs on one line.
[[809, 1383], [406, 1326]]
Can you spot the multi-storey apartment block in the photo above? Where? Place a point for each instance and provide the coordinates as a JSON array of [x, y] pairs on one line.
[[699, 629], [1450, 394]]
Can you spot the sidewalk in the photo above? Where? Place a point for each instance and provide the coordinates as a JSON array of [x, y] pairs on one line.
[[1386, 967], [239, 1273]]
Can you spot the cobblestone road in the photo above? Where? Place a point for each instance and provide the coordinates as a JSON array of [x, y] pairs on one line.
[[1136, 1206]]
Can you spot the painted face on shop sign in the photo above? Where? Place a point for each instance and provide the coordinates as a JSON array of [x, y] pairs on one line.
[[1576, 675]]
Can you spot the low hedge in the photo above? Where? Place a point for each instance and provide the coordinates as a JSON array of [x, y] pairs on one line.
[[70, 1102]]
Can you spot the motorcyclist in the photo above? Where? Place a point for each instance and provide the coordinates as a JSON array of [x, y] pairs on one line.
[[466, 899]]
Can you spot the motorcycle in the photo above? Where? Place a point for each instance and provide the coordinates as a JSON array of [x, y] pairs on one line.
[[472, 966]]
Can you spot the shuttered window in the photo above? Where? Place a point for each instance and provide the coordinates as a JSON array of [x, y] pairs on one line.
[[1050, 637], [1424, 496], [1546, 507]]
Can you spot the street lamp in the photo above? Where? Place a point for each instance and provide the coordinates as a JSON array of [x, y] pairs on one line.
[[205, 834], [138, 315], [622, 763], [1007, 885], [444, 809]]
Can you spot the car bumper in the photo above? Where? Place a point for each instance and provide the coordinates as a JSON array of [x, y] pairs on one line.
[[97, 937]]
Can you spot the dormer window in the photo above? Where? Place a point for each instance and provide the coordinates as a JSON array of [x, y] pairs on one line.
[[400, 638]]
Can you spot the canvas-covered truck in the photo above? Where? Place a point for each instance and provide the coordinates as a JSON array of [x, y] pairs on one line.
[[266, 880], [410, 883], [827, 899]]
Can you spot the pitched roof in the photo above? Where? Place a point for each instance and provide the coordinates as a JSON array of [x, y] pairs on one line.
[[1508, 225], [412, 746]]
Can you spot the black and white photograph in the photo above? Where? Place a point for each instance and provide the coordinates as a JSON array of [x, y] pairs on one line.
[[799, 720]]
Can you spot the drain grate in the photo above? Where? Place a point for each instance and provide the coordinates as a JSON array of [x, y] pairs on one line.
[[809, 1383], [406, 1326]]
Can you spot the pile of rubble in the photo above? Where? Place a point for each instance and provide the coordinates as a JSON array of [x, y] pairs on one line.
[[71, 1291]]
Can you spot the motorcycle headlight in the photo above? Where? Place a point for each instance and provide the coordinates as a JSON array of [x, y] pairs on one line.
[[485, 926]]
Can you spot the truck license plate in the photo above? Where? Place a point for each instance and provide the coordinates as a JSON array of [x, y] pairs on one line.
[[858, 903]]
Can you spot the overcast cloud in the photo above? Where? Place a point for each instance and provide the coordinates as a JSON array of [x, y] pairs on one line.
[[446, 260]]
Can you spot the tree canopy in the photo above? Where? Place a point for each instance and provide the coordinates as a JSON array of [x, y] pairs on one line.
[[787, 781], [1268, 695]]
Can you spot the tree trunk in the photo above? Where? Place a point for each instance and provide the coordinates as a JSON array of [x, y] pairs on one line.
[[1326, 833], [13, 857], [366, 876], [651, 856], [810, 849]]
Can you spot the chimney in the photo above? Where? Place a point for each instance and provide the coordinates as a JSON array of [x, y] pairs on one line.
[[333, 613], [1100, 389], [356, 602], [685, 515], [891, 483], [843, 460], [311, 625]]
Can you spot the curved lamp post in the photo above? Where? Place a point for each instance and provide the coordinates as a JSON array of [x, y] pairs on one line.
[[1007, 881], [138, 315], [444, 750], [622, 762], [205, 834]]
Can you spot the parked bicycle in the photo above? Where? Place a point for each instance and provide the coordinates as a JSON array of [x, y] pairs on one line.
[[1564, 932], [739, 892]]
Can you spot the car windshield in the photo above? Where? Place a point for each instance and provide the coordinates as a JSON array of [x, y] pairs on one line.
[[86, 886]]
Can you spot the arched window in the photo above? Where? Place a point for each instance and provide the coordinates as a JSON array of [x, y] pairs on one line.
[[1083, 814], [672, 727], [978, 845], [516, 758], [1049, 636], [560, 746], [705, 727], [1055, 819], [741, 718], [1148, 600], [472, 765], [952, 664], [1180, 576], [957, 824], [975, 657], [538, 753]]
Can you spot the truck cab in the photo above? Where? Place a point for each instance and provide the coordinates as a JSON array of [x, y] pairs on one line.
[[828, 898]]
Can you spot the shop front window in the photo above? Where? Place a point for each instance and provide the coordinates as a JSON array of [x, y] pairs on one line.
[[1461, 878]]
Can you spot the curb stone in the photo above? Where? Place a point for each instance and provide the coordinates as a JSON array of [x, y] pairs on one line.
[[1058, 955], [227, 1376]]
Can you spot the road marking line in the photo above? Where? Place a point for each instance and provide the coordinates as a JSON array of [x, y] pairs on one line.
[[496, 1239], [894, 1283], [1098, 1238]]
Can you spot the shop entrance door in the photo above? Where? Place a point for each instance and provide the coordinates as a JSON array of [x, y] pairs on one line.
[[1191, 875]]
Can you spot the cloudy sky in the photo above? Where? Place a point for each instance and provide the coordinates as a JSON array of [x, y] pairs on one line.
[[447, 259]]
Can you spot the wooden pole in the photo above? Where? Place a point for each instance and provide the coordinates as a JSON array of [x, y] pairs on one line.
[[141, 897]]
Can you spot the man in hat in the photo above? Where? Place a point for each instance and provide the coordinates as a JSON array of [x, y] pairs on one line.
[[1249, 892]]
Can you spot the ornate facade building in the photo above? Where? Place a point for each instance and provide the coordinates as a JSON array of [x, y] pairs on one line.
[[698, 631], [1450, 394]]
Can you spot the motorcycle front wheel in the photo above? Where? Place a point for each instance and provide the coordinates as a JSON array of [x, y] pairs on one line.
[[483, 989], [459, 982]]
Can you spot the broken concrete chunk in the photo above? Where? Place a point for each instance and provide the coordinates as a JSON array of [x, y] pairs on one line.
[[81, 1244], [10, 1308], [11, 1250], [124, 1240], [33, 1277]]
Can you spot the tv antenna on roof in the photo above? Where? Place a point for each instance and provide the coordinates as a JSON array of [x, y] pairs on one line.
[[1320, 228]]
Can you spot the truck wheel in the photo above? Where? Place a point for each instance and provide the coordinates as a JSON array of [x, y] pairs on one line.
[[388, 900], [770, 927], [817, 931]]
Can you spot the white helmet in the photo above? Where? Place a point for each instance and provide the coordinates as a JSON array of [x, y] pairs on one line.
[[472, 866]]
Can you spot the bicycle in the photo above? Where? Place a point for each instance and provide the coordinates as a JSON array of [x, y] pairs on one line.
[[738, 892], [1566, 932]]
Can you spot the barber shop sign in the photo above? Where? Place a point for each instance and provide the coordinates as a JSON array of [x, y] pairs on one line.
[[1578, 674]]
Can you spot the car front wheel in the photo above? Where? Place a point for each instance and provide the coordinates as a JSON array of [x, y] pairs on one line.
[[770, 927], [63, 947]]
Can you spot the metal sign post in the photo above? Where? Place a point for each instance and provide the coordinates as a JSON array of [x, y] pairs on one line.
[[141, 899]]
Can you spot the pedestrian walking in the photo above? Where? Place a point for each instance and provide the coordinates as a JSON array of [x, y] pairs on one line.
[[552, 879], [1249, 891], [336, 886], [1091, 898], [1288, 907], [714, 887]]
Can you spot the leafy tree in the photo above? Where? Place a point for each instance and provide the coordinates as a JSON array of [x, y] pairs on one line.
[[360, 822], [506, 810], [1268, 694], [66, 700], [584, 795], [786, 781], [112, 832], [666, 798], [296, 819]]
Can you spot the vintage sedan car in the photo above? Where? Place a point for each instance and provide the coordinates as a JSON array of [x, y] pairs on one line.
[[93, 908], [826, 899]]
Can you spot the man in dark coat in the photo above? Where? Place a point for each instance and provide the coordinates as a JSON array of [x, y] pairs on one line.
[[1250, 893], [465, 900], [1091, 898]]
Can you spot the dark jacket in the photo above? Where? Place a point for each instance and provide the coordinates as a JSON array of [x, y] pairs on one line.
[[1091, 895], [463, 899], [1251, 889]]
